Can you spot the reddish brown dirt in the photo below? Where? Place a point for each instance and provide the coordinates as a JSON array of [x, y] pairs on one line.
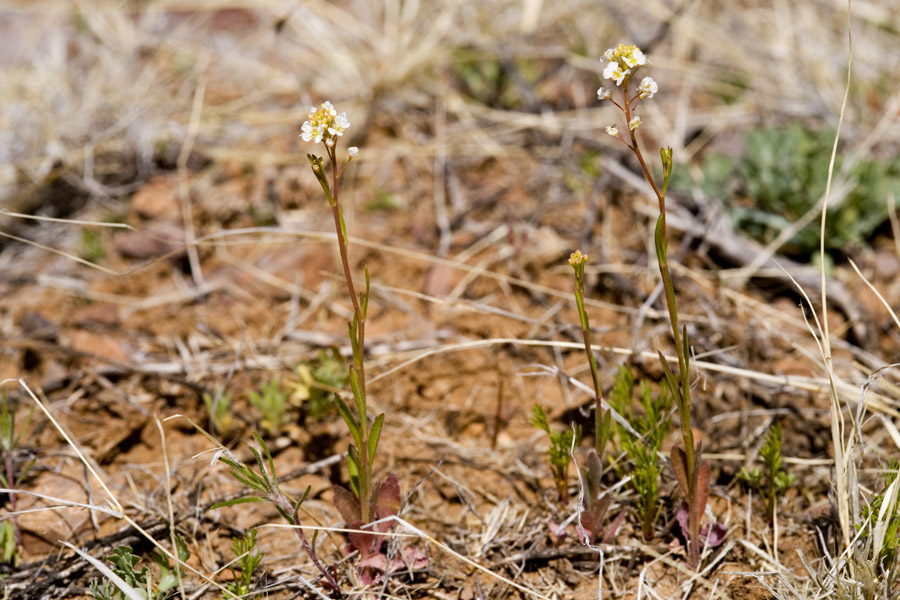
[[115, 358]]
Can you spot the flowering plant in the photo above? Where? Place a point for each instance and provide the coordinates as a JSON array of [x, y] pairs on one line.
[[692, 473], [365, 501]]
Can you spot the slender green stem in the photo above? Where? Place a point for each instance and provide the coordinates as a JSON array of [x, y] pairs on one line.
[[683, 394], [601, 418], [359, 327], [586, 334]]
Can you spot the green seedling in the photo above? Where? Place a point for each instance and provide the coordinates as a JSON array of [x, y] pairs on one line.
[[643, 450], [692, 473], [11, 476], [263, 484], [124, 562], [92, 249], [560, 452], [321, 380], [218, 407], [125, 566], [271, 403], [170, 575], [772, 481], [326, 125], [248, 558]]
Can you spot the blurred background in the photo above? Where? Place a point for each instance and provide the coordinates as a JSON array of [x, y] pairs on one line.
[[97, 98]]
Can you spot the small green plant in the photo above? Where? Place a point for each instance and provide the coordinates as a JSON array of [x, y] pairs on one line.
[[263, 483], [92, 249], [326, 125], [218, 407], [321, 380], [782, 174], [772, 481], [692, 473], [271, 403], [10, 475], [560, 451], [643, 450], [125, 566], [248, 558]]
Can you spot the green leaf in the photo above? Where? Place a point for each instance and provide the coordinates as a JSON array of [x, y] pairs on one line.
[[182, 551], [358, 393], [244, 500], [539, 418], [374, 435], [350, 421], [659, 239], [670, 377], [364, 297]]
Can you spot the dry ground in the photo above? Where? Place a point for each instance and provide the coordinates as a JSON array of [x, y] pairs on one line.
[[483, 165]]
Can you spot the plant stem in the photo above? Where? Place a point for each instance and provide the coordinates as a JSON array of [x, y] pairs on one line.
[[683, 395], [292, 515], [359, 320], [600, 427], [13, 501]]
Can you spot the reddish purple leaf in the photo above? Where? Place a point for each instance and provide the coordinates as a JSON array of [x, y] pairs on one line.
[[682, 515], [415, 558], [374, 561], [680, 466], [366, 543], [346, 503], [703, 476], [388, 502], [613, 528], [559, 534], [715, 534]]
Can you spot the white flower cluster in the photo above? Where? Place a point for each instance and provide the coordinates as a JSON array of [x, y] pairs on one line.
[[324, 124], [624, 60]]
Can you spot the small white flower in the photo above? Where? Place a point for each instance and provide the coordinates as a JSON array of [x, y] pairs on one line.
[[612, 130], [610, 55], [615, 72], [603, 94], [635, 58], [353, 151], [339, 124], [634, 123], [306, 131], [647, 88]]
